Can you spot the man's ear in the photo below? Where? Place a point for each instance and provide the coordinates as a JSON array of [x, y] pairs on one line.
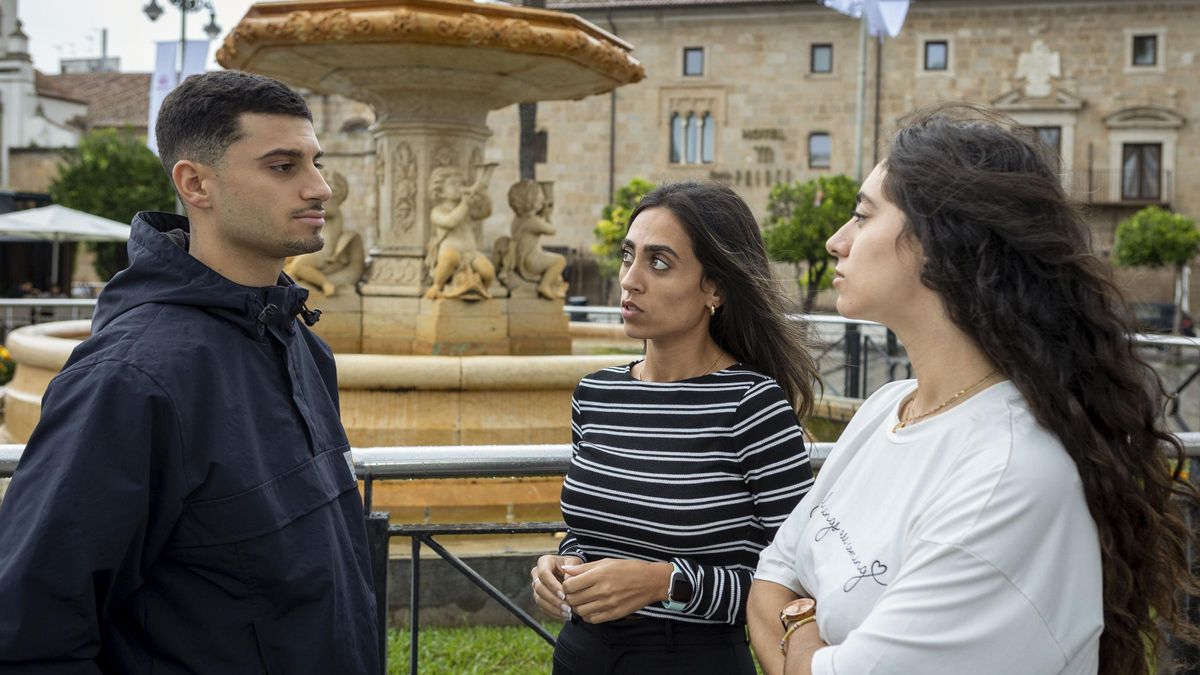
[[192, 183]]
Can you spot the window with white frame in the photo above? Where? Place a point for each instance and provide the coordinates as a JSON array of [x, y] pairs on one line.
[[821, 59], [692, 137], [1141, 171], [1051, 136], [1142, 142], [937, 55], [1145, 50], [820, 150], [693, 61]]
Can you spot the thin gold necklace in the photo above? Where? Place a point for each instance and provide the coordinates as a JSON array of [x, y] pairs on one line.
[[909, 421], [706, 370]]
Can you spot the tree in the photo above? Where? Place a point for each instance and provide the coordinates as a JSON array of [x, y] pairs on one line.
[[614, 223], [1155, 237], [114, 176], [801, 217]]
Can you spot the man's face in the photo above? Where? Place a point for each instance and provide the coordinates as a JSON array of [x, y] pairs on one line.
[[268, 194]]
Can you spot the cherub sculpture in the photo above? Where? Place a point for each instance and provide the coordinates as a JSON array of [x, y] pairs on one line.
[[339, 264], [522, 256], [458, 268]]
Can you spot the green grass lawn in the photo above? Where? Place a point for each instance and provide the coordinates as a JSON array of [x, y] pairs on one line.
[[475, 650], [481, 650]]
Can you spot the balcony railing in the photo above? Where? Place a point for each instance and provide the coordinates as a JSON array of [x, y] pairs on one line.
[[1107, 187]]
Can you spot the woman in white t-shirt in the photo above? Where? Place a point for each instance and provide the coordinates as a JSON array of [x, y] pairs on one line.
[[1010, 510]]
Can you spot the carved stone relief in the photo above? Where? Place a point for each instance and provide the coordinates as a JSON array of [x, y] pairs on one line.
[[396, 272], [404, 187], [444, 155], [439, 25], [380, 180]]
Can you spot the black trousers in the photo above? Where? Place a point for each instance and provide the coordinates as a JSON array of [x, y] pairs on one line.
[[638, 646]]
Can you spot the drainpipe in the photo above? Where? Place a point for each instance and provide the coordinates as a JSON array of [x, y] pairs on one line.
[[612, 127], [859, 110], [878, 90]]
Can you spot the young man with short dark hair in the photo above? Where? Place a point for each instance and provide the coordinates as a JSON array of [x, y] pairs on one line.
[[186, 503]]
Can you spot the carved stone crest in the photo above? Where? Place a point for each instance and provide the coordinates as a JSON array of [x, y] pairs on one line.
[[1037, 66]]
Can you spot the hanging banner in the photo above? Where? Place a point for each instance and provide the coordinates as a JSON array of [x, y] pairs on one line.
[[195, 55], [161, 84], [883, 16]]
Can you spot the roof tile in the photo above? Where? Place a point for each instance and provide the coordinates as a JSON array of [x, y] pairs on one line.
[[114, 99]]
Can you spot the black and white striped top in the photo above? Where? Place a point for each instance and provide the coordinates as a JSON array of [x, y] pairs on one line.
[[700, 472]]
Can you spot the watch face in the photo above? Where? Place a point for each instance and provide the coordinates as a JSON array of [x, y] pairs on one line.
[[681, 588], [798, 609]]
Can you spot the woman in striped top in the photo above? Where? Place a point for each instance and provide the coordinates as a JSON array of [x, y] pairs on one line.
[[687, 461]]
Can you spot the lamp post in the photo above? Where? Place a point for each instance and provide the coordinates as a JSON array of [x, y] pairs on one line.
[[153, 10]]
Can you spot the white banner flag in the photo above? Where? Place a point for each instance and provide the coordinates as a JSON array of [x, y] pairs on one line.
[[161, 84], [195, 55], [883, 16]]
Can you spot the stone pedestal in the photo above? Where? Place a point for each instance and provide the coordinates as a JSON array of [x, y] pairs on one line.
[[341, 318], [342, 331], [458, 328], [537, 326], [389, 324], [518, 326]]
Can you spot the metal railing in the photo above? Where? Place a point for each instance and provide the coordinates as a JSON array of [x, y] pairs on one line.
[[470, 461], [18, 312], [863, 345], [438, 462], [1108, 186]]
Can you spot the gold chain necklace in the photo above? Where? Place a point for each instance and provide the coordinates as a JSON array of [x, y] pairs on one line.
[[706, 370], [904, 422]]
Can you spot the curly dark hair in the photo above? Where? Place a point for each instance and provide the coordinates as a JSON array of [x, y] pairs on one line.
[[752, 323], [1012, 260]]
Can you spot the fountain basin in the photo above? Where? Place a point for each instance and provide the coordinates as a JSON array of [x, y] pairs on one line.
[[387, 400], [390, 400], [371, 49]]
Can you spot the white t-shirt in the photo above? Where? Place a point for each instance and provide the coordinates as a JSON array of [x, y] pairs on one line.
[[961, 544]]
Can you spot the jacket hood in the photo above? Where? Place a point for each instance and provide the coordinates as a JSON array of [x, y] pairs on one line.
[[161, 271]]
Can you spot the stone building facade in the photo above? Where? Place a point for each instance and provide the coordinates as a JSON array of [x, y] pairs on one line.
[[757, 92], [754, 93]]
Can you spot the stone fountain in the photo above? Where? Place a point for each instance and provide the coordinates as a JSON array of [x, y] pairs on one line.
[[432, 70], [437, 342]]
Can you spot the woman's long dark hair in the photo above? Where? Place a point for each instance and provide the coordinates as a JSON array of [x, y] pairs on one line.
[[752, 323], [1011, 258]]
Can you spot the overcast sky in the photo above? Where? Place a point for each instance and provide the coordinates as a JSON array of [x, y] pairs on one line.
[[71, 28]]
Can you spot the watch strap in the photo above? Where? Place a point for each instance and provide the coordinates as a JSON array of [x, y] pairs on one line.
[[787, 634], [670, 603]]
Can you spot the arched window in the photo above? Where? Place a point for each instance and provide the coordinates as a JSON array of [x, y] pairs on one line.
[[676, 138], [692, 137], [820, 148], [706, 139]]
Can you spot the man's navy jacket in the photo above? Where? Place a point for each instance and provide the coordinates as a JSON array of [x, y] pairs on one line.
[[186, 503]]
